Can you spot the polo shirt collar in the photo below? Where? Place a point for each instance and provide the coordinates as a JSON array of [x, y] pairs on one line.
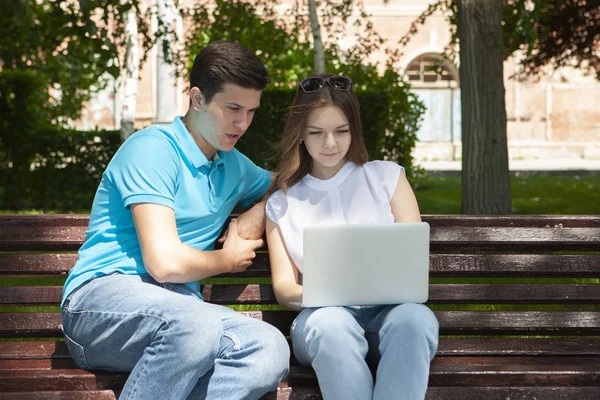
[[190, 148]]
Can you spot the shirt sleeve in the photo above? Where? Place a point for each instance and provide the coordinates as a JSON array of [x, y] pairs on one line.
[[145, 170], [274, 206], [390, 172], [256, 181]]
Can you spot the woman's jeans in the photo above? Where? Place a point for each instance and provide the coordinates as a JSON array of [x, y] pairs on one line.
[[338, 341], [175, 345]]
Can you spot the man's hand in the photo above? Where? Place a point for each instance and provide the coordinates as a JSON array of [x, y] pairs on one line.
[[250, 225], [240, 251]]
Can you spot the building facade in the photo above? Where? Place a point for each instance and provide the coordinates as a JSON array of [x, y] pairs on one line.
[[552, 116]]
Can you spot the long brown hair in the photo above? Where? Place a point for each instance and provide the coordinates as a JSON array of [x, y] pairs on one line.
[[294, 160]]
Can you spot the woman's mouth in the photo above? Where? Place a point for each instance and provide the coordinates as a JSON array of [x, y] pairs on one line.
[[331, 155]]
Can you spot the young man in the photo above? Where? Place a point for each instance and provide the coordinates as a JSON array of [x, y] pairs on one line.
[[132, 301]]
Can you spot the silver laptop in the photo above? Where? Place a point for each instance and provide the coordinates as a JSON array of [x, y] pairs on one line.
[[366, 264]]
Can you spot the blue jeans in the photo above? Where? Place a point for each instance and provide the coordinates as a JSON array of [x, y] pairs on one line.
[[175, 345], [339, 341]]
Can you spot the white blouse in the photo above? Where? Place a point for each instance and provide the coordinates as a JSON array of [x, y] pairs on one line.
[[356, 194]]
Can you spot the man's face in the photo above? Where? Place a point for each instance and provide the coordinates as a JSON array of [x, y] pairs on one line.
[[223, 121]]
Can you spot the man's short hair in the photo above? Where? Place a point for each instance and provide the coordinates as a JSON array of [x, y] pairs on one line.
[[223, 62]]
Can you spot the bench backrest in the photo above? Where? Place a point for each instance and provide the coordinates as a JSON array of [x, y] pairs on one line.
[[490, 276]]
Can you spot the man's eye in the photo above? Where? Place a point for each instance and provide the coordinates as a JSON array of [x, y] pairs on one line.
[[233, 108]]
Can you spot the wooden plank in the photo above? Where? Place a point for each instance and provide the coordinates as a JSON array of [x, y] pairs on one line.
[[477, 393], [550, 323], [514, 265], [438, 294], [542, 373], [514, 221], [454, 238], [60, 395], [511, 220], [512, 393], [573, 364], [59, 264], [60, 380], [463, 347], [66, 232], [441, 265]]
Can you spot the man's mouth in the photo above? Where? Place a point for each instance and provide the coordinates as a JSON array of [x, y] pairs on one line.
[[233, 138]]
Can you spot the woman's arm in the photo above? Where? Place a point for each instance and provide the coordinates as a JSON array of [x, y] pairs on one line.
[[283, 270], [404, 203]]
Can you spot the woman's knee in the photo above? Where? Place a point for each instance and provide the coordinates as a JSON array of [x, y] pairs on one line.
[[413, 319], [329, 331]]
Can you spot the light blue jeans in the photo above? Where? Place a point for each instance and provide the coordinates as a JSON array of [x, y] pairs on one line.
[[339, 341], [175, 345]]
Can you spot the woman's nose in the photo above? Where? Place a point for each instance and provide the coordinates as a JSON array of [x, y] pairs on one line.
[[330, 140]]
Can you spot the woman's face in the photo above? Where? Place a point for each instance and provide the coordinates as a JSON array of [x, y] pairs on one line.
[[327, 138]]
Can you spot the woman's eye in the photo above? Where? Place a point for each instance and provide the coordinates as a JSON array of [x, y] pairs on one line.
[[233, 108], [343, 131], [314, 132]]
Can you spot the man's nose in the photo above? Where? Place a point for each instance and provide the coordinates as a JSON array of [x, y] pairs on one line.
[[242, 122]]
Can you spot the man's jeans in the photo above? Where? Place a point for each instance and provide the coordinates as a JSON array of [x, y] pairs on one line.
[[337, 342], [175, 345]]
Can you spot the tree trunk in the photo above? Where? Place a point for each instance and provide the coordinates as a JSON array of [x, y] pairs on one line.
[[132, 73], [485, 175], [315, 27], [166, 80]]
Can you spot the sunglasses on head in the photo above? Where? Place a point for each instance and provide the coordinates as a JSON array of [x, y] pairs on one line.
[[336, 82]]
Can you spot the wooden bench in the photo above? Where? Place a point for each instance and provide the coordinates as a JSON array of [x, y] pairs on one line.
[[534, 334]]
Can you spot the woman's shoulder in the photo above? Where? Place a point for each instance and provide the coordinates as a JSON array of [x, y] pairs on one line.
[[383, 167]]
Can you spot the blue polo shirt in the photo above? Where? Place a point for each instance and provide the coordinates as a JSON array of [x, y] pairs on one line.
[[162, 165]]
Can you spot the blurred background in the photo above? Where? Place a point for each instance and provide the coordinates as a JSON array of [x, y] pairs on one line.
[[500, 96]]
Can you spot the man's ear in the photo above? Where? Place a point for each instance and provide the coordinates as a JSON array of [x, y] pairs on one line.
[[196, 98]]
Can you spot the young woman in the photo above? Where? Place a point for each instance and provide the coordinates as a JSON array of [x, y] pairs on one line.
[[325, 178]]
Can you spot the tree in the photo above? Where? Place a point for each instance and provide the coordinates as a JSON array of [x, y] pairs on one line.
[[551, 33], [485, 175], [61, 51], [315, 28]]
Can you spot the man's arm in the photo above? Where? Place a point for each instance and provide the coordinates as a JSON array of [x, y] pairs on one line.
[[167, 259], [251, 224]]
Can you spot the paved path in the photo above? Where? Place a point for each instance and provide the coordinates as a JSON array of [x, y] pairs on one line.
[[570, 164]]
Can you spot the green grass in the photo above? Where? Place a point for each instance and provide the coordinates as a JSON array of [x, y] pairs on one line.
[[537, 194]]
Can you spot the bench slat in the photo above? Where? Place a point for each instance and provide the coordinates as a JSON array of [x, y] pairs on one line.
[[441, 265], [588, 347], [512, 393], [62, 395], [575, 364], [433, 393], [438, 294], [8, 220], [538, 372], [45, 235], [40, 324]]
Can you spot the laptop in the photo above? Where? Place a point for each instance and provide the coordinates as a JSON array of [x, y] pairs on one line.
[[365, 264]]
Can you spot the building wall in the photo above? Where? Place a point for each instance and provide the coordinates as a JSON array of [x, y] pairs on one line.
[[559, 107]]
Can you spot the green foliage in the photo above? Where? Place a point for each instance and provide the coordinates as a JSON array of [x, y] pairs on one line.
[[72, 46], [547, 32], [391, 114], [61, 169]]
